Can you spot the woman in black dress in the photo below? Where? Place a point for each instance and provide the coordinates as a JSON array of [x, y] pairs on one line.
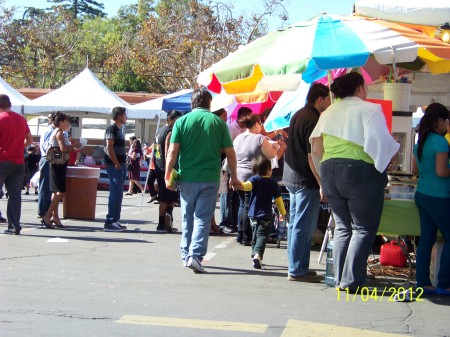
[[58, 172]]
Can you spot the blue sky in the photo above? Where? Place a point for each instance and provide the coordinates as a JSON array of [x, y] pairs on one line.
[[298, 10]]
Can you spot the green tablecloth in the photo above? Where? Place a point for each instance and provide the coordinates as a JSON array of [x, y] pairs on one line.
[[400, 217]]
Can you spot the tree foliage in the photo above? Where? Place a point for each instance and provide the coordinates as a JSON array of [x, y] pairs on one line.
[[88, 8], [158, 46]]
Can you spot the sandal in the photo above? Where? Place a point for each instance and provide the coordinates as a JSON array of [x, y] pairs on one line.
[[57, 224], [47, 225]]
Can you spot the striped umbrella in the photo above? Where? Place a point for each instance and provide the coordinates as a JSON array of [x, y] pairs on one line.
[[279, 60]]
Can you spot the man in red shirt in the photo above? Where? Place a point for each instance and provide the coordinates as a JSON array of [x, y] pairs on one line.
[[15, 136]]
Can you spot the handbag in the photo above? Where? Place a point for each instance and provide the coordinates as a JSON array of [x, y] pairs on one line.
[[54, 154]]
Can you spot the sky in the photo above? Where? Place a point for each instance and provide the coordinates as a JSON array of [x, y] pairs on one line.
[[298, 10]]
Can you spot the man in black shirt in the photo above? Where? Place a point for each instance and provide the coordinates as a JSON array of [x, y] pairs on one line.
[[115, 160], [302, 181]]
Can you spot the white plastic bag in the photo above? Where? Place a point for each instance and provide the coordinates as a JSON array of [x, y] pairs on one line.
[[34, 181]]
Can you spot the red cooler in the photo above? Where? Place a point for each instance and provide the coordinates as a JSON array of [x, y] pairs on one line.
[[392, 255], [81, 193]]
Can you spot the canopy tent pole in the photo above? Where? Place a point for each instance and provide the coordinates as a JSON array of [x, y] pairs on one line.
[[330, 80]]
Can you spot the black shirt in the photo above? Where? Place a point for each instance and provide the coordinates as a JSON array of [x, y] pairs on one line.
[[159, 148], [296, 167], [113, 132]]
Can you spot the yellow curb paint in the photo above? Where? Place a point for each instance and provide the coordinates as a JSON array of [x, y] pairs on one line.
[[295, 328], [193, 323]]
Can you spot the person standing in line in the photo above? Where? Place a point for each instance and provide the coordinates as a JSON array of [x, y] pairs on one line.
[[15, 136], [58, 172], [303, 183], [45, 195], [167, 198], [352, 148], [196, 141], [263, 190], [432, 197], [249, 145], [229, 202], [115, 160]]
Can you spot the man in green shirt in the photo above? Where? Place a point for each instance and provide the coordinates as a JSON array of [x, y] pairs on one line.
[[197, 140]]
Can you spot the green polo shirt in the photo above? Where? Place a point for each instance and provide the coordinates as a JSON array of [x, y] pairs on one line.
[[201, 136]]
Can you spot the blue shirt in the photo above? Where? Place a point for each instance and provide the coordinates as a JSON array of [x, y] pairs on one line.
[[45, 138], [263, 191], [429, 182]]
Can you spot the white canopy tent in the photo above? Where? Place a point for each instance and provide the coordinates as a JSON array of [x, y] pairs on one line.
[[17, 99], [85, 93]]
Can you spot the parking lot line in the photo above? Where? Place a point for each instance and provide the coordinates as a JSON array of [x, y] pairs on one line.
[[193, 323]]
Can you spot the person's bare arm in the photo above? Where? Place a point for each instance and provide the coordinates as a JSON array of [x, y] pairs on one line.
[[112, 153], [62, 144], [28, 139], [268, 149], [317, 152], [171, 159], [232, 164], [167, 144], [316, 175]]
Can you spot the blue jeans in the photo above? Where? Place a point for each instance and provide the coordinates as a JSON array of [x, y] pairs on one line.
[[198, 201], [433, 213], [244, 228], [116, 179], [11, 175], [304, 213], [355, 191], [45, 195]]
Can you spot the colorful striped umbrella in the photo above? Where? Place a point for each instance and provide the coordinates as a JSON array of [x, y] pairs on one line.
[[279, 60]]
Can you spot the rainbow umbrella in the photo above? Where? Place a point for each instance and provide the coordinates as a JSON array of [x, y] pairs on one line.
[[305, 51], [257, 101]]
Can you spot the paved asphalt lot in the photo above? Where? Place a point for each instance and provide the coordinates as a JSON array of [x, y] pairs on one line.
[[95, 283]]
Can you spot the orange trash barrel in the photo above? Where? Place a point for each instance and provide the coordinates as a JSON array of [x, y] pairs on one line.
[[81, 193]]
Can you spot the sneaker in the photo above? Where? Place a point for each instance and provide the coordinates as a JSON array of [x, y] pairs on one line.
[[112, 227], [257, 261], [2, 219], [305, 278], [168, 224], [118, 224], [27, 193], [12, 231], [194, 264]]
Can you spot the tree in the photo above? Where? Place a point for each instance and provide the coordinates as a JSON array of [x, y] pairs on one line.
[[89, 8], [183, 37], [41, 50]]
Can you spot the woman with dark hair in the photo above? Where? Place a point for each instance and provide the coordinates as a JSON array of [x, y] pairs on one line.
[[57, 172], [166, 197], [249, 145], [355, 147], [134, 175], [431, 161]]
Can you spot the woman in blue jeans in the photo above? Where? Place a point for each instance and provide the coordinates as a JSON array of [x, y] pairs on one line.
[[431, 161], [355, 148]]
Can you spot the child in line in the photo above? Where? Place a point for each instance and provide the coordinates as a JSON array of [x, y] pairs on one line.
[[263, 189]]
